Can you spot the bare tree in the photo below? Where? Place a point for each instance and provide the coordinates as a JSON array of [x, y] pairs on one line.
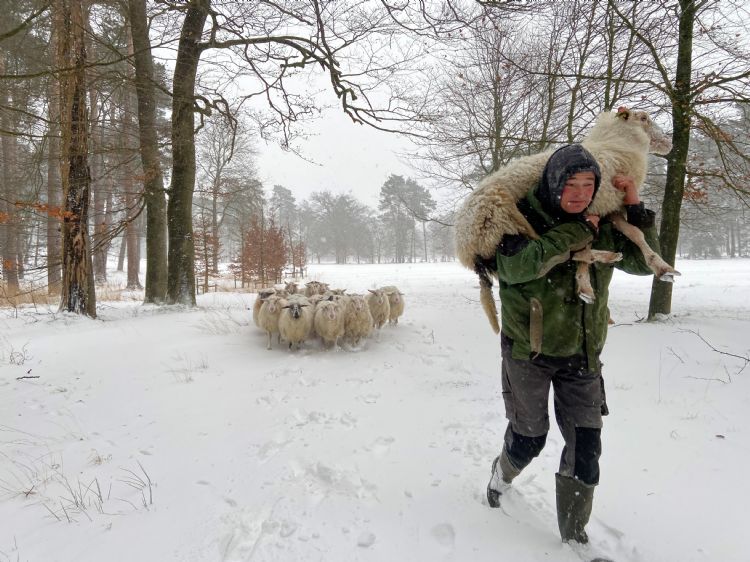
[[156, 225], [78, 293]]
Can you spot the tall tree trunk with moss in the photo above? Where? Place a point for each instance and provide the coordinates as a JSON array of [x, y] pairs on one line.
[[181, 255], [669, 230], [78, 293], [156, 206]]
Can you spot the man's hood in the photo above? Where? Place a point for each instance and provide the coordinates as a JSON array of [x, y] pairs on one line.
[[563, 163]]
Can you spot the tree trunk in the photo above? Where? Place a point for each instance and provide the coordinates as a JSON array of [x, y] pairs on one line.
[[78, 292], [215, 227], [9, 175], [132, 193], [53, 244], [122, 253], [99, 197], [181, 256], [156, 217], [669, 230]]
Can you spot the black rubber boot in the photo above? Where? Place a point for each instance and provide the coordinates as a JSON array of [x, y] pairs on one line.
[[503, 473], [575, 500]]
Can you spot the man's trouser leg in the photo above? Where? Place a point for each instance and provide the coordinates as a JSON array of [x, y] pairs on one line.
[[579, 403]]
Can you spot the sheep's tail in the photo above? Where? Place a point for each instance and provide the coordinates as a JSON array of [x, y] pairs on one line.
[[485, 294]]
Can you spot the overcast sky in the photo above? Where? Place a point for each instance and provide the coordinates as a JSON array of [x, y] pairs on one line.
[[347, 156]]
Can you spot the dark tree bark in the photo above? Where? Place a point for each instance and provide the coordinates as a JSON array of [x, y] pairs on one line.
[[156, 217], [181, 274], [9, 174], [669, 230], [78, 292]]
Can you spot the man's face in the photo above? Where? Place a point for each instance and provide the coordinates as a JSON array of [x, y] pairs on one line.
[[577, 193]]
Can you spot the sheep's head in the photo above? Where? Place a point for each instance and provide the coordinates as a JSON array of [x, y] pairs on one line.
[[380, 296], [330, 310], [295, 309], [291, 288], [265, 293], [274, 304], [659, 142], [356, 303]]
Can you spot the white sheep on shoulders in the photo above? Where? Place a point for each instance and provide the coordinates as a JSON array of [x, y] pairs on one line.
[[620, 143]]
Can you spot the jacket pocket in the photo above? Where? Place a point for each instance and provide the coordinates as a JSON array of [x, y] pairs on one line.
[[536, 323]]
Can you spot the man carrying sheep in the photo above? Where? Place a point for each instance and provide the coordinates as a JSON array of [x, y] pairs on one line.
[[551, 336]]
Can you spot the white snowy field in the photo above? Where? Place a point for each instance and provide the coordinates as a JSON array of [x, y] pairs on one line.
[[166, 434]]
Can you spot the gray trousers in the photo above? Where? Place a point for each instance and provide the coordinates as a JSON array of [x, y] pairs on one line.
[[579, 402]]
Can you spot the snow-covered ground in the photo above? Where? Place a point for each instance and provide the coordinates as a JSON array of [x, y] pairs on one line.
[[160, 434]]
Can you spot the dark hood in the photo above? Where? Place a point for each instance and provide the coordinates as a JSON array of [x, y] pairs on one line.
[[563, 163]]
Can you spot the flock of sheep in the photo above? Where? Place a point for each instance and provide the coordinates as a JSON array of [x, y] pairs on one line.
[[297, 315]]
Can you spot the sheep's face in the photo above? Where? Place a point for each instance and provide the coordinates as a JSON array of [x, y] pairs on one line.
[[395, 297], [291, 288], [331, 311], [274, 305], [659, 142], [295, 310], [380, 297]]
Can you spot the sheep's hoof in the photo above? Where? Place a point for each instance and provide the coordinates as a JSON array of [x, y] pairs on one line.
[[668, 277], [588, 299]]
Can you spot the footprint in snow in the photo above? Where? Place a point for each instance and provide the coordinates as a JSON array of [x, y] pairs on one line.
[[380, 446], [444, 534], [366, 539]]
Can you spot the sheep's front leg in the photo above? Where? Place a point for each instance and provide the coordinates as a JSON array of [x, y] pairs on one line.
[[269, 340], [584, 258], [662, 270]]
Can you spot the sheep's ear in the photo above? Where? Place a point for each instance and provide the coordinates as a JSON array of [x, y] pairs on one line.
[[402, 294], [623, 113], [287, 306], [373, 292]]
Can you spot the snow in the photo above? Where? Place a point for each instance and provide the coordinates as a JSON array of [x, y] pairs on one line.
[[180, 437]]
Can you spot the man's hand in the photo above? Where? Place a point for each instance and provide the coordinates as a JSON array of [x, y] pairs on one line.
[[593, 220], [626, 184]]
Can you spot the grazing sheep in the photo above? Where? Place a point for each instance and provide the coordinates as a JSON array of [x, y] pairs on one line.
[[296, 320], [357, 319], [395, 301], [263, 294], [379, 306], [620, 143], [268, 317], [328, 322]]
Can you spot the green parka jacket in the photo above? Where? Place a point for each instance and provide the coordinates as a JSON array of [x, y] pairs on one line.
[[541, 310]]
